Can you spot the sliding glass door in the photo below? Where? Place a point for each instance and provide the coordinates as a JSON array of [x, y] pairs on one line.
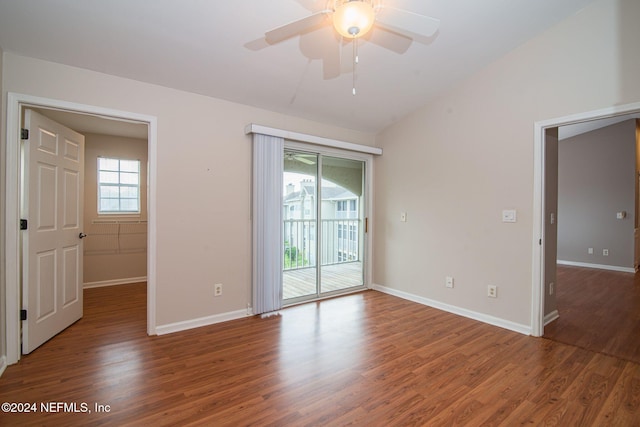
[[324, 225], [342, 224], [300, 210]]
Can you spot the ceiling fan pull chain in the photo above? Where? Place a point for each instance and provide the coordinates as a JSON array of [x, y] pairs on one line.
[[355, 63]]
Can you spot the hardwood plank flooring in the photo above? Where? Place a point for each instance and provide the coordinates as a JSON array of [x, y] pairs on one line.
[[363, 359], [599, 311]]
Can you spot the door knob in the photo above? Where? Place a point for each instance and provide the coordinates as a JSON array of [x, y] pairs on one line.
[[82, 236]]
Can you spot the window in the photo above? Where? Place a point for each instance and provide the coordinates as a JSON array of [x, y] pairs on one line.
[[352, 205], [118, 186], [342, 206]]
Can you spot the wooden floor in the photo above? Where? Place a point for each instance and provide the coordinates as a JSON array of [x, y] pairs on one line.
[[366, 359], [335, 277], [599, 311]]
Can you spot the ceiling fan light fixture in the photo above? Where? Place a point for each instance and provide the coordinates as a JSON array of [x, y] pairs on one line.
[[353, 18]]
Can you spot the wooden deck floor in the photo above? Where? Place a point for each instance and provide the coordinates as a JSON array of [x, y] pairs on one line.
[[302, 282]]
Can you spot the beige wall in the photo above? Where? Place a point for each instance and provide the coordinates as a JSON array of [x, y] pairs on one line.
[[203, 183], [113, 252], [454, 165]]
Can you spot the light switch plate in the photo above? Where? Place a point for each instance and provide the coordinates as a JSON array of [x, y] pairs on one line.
[[509, 215]]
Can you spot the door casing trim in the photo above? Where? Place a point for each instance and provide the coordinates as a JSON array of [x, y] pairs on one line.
[[538, 286], [13, 303]]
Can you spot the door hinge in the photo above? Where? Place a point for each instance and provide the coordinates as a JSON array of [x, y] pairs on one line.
[[24, 133], [540, 242], [366, 225], [23, 224], [23, 314]]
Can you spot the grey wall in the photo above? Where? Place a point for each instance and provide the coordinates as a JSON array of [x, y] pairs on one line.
[[550, 222], [596, 180]]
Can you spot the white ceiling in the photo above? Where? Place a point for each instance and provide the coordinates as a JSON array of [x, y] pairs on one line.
[[216, 48]]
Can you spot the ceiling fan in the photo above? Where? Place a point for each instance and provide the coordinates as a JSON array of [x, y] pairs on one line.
[[308, 159], [353, 19]]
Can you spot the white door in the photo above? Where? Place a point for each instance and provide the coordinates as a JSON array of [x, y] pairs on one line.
[[52, 204]]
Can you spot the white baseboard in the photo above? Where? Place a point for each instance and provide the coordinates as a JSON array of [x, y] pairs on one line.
[[114, 282], [485, 318], [598, 266], [201, 321], [551, 317], [3, 364]]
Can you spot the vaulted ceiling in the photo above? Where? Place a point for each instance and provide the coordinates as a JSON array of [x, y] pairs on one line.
[[217, 48]]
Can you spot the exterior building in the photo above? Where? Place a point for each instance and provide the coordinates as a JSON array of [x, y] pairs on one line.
[[340, 226]]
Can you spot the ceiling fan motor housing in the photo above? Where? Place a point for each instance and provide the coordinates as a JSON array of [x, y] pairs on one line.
[[353, 18]]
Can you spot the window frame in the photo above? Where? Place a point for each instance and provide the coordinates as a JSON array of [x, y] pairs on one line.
[[118, 185]]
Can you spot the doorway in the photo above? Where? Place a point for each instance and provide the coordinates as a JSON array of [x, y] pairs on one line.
[[106, 226], [544, 240], [324, 225], [16, 104]]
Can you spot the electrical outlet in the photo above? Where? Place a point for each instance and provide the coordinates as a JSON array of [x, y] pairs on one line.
[[492, 291], [448, 282], [551, 288], [403, 216], [605, 252], [590, 251], [217, 290]]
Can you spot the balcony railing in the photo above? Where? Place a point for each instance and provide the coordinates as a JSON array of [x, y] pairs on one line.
[[340, 242]]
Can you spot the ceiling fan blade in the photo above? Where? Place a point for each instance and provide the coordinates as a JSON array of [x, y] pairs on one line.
[[306, 161], [407, 23], [303, 158], [296, 28], [391, 40]]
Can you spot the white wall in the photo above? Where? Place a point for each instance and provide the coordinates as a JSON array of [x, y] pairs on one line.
[[203, 183], [454, 165]]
